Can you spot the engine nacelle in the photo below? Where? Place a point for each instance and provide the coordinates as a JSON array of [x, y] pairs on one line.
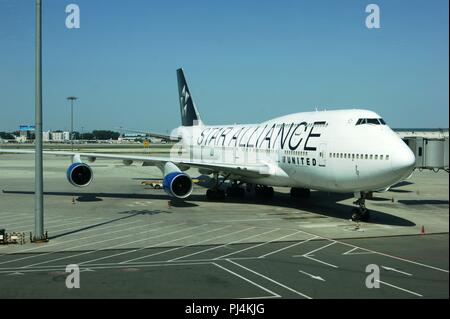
[[178, 184], [79, 174]]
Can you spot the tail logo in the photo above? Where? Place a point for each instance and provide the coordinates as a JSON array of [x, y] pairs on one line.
[[184, 99]]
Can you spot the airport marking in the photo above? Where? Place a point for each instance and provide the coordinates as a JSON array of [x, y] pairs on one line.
[[166, 242], [321, 261], [269, 279], [290, 246], [107, 267], [351, 252], [274, 295], [399, 288], [258, 245], [127, 243], [181, 247], [227, 244], [396, 270], [114, 246], [397, 258], [245, 220], [312, 276], [123, 253], [53, 221], [316, 250], [76, 239]]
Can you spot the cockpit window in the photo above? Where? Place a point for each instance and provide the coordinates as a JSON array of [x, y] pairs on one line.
[[371, 121]]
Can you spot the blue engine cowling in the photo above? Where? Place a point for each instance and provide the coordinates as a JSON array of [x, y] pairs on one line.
[[79, 174], [178, 184]]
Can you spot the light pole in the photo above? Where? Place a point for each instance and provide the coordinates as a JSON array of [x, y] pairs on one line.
[[71, 99], [38, 171]]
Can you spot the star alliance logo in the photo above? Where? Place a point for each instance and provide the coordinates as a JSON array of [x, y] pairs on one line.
[[184, 99]]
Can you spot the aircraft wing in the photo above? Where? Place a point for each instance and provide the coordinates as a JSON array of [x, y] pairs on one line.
[[244, 170]]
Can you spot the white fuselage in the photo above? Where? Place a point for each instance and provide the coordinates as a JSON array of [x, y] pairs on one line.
[[326, 150]]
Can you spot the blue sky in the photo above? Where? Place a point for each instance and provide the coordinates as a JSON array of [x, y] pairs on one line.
[[246, 61]]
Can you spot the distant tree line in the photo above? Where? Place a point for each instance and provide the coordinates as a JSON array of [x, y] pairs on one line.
[[6, 136]]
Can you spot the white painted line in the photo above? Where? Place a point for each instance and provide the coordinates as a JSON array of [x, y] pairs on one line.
[[65, 242], [318, 249], [8, 219], [216, 247], [290, 246], [28, 224], [106, 240], [227, 244], [56, 232], [245, 220], [351, 252], [320, 261], [248, 280], [163, 243], [396, 270], [263, 297], [312, 276], [271, 280], [177, 248], [49, 227], [123, 253], [63, 268], [77, 239], [258, 245], [383, 254], [399, 288], [397, 258], [126, 252]]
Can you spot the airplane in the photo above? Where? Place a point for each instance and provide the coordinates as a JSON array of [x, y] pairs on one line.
[[342, 151]]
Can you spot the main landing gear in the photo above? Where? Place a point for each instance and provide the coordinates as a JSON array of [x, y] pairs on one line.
[[361, 213], [300, 192], [215, 193], [264, 191]]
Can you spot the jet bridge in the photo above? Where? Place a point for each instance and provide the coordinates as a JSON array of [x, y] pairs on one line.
[[431, 153]]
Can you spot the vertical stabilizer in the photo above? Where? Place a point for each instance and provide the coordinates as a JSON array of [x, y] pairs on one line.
[[189, 113]]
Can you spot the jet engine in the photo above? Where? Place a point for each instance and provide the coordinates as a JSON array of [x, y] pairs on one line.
[[176, 183], [79, 174]]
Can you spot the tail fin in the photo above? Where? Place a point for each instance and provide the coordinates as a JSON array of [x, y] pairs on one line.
[[189, 113]]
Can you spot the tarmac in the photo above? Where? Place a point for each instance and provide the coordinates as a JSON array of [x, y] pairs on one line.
[[132, 241]]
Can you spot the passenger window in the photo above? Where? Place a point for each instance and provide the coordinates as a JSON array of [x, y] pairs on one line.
[[357, 156], [387, 157], [353, 156], [366, 156], [371, 156], [381, 157], [376, 157]]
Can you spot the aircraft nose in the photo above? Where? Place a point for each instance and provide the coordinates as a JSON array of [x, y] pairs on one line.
[[403, 161]]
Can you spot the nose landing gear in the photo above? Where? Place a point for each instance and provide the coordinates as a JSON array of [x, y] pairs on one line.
[[361, 213]]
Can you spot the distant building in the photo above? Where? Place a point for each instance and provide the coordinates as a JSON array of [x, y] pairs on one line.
[[46, 136], [20, 139], [60, 136]]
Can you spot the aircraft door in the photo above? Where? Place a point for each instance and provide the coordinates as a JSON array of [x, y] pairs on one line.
[[323, 155]]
